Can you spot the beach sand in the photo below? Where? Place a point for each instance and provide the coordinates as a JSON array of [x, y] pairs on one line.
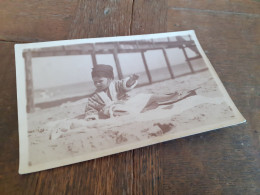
[[56, 133]]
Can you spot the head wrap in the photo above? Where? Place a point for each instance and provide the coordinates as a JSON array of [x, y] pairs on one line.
[[102, 70]]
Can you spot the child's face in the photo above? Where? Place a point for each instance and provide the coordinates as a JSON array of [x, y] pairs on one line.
[[101, 83]]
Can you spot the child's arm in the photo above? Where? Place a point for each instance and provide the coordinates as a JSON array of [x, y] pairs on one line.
[[132, 80], [125, 85], [90, 112]]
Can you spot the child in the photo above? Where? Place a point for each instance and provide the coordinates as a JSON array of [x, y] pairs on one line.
[[108, 91]]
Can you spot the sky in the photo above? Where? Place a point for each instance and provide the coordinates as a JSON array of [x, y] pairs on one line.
[[64, 70]]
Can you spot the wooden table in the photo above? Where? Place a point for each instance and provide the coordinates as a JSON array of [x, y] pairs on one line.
[[226, 161]]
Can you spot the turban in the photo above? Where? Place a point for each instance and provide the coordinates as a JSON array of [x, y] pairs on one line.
[[102, 70]]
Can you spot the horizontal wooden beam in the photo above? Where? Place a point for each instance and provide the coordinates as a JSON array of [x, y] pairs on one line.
[[63, 52]]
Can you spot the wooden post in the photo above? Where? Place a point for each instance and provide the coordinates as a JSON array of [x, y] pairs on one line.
[[94, 60], [29, 82], [168, 63], [187, 59], [146, 68], [118, 67], [93, 56]]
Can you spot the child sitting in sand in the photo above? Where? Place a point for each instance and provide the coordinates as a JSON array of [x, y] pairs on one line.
[[108, 92]]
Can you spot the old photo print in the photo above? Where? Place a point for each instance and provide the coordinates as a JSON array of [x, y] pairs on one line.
[[83, 99]]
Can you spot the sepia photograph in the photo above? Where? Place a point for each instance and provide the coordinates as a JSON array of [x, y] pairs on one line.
[[84, 99]]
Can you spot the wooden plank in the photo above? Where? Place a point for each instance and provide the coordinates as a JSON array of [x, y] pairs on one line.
[[108, 175], [187, 59], [10, 181], [146, 68], [29, 21], [238, 7], [117, 62], [221, 162], [101, 19], [148, 177], [56, 20], [89, 52], [168, 63], [94, 60], [148, 17], [29, 82]]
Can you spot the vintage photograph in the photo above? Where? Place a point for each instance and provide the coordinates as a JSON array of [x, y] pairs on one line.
[[83, 99]]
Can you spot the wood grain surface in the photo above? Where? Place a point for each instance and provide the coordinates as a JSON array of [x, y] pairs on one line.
[[226, 161]]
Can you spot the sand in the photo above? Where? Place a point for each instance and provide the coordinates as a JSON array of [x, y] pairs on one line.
[[56, 133]]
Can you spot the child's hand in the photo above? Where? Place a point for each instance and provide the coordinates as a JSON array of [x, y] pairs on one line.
[[134, 77], [132, 80]]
